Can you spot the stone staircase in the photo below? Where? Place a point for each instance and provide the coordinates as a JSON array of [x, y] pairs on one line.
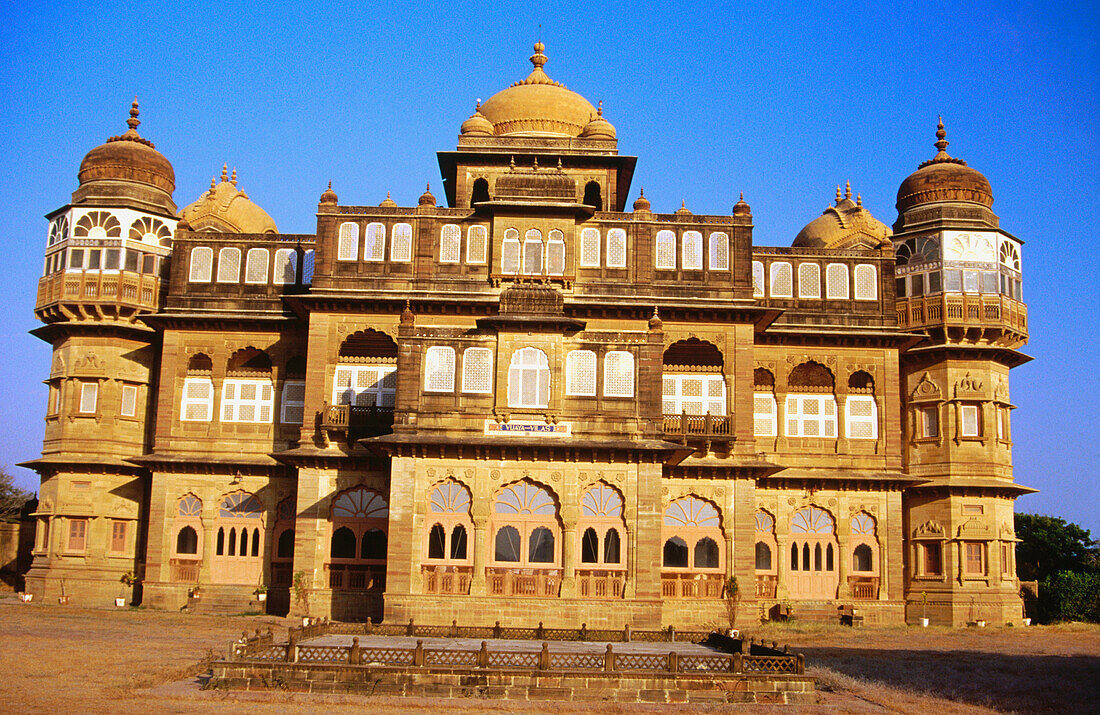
[[815, 611], [226, 600]]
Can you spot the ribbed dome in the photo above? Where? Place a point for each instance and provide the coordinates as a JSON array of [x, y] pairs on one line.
[[328, 196], [538, 106], [845, 225], [426, 198], [127, 158], [641, 203], [943, 178], [225, 208], [599, 128], [477, 124]]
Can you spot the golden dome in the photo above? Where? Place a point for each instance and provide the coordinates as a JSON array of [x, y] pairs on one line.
[[328, 196], [426, 198], [943, 178], [538, 106], [388, 202], [227, 209], [641, 203], [599, 128], [845, 225], [741, 208], [477, 124]]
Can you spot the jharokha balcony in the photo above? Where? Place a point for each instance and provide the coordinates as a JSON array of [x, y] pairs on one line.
[[963, 311], [355, 422], [65, 294], [698, 428]]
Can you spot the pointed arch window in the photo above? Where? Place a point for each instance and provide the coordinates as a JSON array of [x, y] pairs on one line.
[[691, 529], [601, 529], [448, 536], [525, 527], [359, 542]]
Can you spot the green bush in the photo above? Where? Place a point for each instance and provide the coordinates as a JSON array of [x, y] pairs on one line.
[[1069, 596]]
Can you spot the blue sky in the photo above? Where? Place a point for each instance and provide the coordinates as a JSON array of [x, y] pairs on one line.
[[780, 102]]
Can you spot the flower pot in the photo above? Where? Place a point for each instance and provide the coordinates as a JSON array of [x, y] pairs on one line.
[[26, 597], [981, 624], [1027, 621], [924, 622], [261, 596], [120, 602], [63, 600]]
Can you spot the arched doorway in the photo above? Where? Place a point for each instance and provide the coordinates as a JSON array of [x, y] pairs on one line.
[[812, 554]]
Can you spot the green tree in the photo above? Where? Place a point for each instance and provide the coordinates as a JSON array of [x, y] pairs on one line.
[[1049, 545], [12, 498]]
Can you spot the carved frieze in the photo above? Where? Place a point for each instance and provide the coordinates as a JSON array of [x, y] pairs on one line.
[[969, 387], [929, 529], [926, 390]]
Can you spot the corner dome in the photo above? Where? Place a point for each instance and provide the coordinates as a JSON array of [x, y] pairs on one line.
[[328, 196], [538, 106], [227, 209], [127, 159], [845, 225], [477, 124], [943, 178], [598, 128]]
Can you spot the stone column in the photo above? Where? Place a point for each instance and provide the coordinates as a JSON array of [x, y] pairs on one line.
[[481, 555], [569, 558], [844, 544], [782, 548]]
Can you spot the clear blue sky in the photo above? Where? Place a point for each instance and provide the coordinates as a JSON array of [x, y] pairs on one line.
[[781, 103]]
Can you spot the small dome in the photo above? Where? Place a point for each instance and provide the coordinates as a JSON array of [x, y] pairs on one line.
[[641, 203], [538, 106], [683, 210], [426, 198], [741, 208], [225, 208], [388, 202], [329, 196], [943, 178], [599, 128], [477, 124], [845, 225]]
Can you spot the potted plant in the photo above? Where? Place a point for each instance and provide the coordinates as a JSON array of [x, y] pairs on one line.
[[924, 608], [732, 595], [63, 599], [127, 580], [260, 593], [194, 592]]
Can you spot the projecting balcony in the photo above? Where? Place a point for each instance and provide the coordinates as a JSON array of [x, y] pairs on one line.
[[356, 422], [73, 294], [956, 310], [707, 428]]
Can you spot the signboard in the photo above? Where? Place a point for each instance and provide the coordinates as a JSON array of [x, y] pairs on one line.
[[527, 428]]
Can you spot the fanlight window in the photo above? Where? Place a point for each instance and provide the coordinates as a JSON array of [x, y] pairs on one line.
[[287, 510], [529, 378], [450, 498], [149, 230], [764, 522], [360, 503], [97, 224], [1010, 256], [602, 501], [691, 511], [401, 243], [189, 506], [240, 505], [59, 230], [524, 498], [477, 239], [811, 520], [616, 248], [863, 525]]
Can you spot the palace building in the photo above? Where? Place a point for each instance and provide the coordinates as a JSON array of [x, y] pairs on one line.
[[530, 399]]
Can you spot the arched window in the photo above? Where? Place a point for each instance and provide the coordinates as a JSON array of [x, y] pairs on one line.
[[509, 252], [348, 242], [525, 526], [758, 279], [439, 369], [692, 521], [248, 394], [529, 378], [201, 264], [450, 243], [343, 544], [533, 253], [618, 374], [813, 553], [580, 373], [285, 548], [97, 224], [693, 383], [836, 281], [449, 516], [861, 558], [692, 255], [616, 248], [255, 269], [866, 282], [675, 553], [374, 245], [811, 415], [781, 280], [666, 250], [477, 239], [367, 373], [763, 556], [477, 370], [555, 254], [590, 248], [480, 192], [592, 195], [602, 527], [864, 544], [307, 268], [282, 561], [286, 267], [719, 251], [809, 280], [357, 551], [197, 399], [764, 531], [187, 541], [860, 409], [229, 265], [401, 243]]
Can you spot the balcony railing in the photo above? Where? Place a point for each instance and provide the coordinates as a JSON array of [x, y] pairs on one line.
[[119, 288], [356, 577], [184, 570], [710, 427], [864, 588], [766, 585], [691, 585], [600, 584], [447, 579], [523, 582], [355, 421], [962, 310]]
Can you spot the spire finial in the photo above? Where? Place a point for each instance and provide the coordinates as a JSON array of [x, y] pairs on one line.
[[683, 204], [428, 186], [330, 184], [212, 184], [848, 190], [859, 199], [225, 172], [536, 163], [133, 121], [838, 194], [512, 163], [477, 107], [538, 59], [599, 108], [559, 163], [641, 191], [387, 194], [941, 137], [741, 197], [233, 179]]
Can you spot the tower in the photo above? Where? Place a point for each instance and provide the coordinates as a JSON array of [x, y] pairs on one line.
[[959, 284]]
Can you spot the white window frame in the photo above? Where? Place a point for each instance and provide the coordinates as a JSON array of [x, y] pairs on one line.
[[774, 276], [975, 411], [771, 416], [229, 271], [477, 363], [401, 240], [532, 238], [381, 389], [679, 401], [719, 245], [290, 403], [576, 362], [691, 251], [621, 362], [555, 253], [348, 242], [439, 369], [233, 403], [89, 397], [590, 248], [450, 243], [836, 282], [667, 240], [478, 236], [128, 406], [197, 273], [758, 279], [253, 260], [809, 280], [851, 421], [374, 243], [187, 400], [616, 248], [526, 361], [286, 264], [864, 295], [510, 253], [797, 417]]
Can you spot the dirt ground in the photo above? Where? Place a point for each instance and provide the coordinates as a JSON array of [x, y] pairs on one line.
[[72, 660]]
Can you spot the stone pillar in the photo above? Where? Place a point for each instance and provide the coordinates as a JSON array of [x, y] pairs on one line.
[[783, 549], [481, 555], [569, 558], [646, 566], [844, 544]]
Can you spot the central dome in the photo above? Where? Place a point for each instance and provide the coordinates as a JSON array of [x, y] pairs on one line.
[[538, 106]]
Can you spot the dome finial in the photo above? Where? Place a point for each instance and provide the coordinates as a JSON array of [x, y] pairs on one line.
[[741, 197], [859, 200], [848, 190], [599, 108], [133, 121], [213, 184], [838, 194], [233, 179], [225, 172], [538, 59], [941, 136]]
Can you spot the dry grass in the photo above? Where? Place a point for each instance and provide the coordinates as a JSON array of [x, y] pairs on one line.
[[63, 659]]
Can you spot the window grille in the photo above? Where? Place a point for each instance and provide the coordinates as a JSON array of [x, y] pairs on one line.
[[439, 369], [255, 269], [202, 259], [450, 243], [477, 239], [286, 267], [616, 248], [590, 248], [694, 394], [229, 265], [602, 501], [861, 417], [580, 373], [450, 498], [129, 400], [836, 281], [532, 252], [809, 280], [719, 251], [781, 280], [477, 370], [555, 254], [529, 378], [618, 374], [365, 385], [666, 250], [294, 400], [307, 268], [866, 282], [374, 245], [764, 411], [348, 247], [758, 279], [247, 401], [692, 251], [89, 392], [401, 243], [811, 416], [198, 400], [509, 252]]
